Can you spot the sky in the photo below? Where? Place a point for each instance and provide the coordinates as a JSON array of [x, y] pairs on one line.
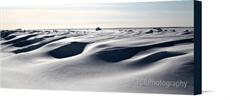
[[105, 15]]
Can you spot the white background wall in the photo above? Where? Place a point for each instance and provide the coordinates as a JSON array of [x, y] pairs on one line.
[[216, 61]]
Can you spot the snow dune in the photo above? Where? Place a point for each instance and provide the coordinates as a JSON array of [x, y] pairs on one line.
[[118, 60]]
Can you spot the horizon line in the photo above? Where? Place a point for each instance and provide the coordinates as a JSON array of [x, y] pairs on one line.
[[101, 28]]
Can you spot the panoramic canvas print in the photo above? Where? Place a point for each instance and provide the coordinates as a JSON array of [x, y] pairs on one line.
[[142, 47]]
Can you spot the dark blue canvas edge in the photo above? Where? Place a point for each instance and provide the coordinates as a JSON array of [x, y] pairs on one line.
[[197, 47]]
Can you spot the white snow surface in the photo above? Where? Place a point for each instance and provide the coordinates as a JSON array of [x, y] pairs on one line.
[[119, 59]]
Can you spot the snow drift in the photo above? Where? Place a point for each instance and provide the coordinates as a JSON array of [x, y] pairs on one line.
[[104, 60]]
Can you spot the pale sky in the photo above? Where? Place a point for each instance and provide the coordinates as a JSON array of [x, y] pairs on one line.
[[91, 15]]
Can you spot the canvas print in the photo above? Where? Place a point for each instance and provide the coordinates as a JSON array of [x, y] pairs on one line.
[[140, 47]]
